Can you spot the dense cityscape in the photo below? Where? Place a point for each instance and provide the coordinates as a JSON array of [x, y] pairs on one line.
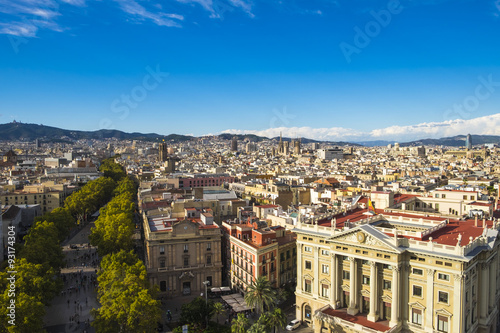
[[260, 166], [245, 233]]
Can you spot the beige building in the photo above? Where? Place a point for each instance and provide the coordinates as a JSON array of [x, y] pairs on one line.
[[395, 272], [48, 195], [183, 253]]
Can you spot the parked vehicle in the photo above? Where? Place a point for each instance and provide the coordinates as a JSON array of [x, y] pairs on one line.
[[293, 325]]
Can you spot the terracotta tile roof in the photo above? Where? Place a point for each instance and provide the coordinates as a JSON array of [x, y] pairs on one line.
[[449, 234], [357, 319]]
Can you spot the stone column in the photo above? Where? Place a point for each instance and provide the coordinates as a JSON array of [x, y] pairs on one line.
[[373, 316], [484, 291], [458, 297], [395, 296], [429, 319], [353, 309], [493, 283], [315, 282], [334, 282]]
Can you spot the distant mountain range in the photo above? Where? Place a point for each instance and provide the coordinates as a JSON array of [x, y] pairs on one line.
[[30, 132], [454, 141]]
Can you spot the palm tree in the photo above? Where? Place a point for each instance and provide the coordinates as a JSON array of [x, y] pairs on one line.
[[260, 294], [239, 324], [276, 318], [218, 309], [258, 327]]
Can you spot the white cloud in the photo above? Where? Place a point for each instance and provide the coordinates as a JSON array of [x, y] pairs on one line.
[[487, 125], [159, 18], [20, 29], [218, 8]]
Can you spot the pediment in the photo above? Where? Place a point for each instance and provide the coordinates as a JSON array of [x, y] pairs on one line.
[[185, 227], [386, 298], [444, 312], [308, 276], [366, 236], [417, 305]]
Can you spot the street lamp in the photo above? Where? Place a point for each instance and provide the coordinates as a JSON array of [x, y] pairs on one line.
[[206, 283]]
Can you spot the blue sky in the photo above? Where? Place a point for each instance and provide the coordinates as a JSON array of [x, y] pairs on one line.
[[333, 70]]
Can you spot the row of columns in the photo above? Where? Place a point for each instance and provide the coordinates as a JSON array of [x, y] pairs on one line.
[[354, 306]]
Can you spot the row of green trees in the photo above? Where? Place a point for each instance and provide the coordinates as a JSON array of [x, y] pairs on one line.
[[115, 226], [127, 302], [38, 262]]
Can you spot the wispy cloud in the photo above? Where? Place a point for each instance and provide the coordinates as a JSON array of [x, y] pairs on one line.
[[23, 18], [138, 11], [487, 125], [218, 8]]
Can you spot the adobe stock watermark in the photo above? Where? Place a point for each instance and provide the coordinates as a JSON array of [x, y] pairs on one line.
[[11, 275], [280, 118], [471, 103], [363, 37], [121, 106]]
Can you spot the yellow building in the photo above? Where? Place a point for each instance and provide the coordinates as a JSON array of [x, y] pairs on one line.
[[48, 195], [395, 272], [182, 253]]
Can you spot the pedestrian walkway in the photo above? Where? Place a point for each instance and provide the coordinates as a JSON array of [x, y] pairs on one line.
[[71, 310]]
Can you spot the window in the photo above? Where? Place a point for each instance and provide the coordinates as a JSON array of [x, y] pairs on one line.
[[444, 277], [282, 256], [346, 275], [443, 297], [186, 247], [325, 269], [443, 196], [209, 246], [186, 261], [307, 286], [366, 279], [325, 290], [417, 291], [387, 285], [307, 249], [325, 252], [209, 260], [418, 271], [416, 316], [465, 197], [162, 249], [472, 197], [163, 285], [308, 264], [162, 262], [442, 324]]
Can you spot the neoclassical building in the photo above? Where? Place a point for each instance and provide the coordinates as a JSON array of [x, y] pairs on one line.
[[396, 272], [182, 253]]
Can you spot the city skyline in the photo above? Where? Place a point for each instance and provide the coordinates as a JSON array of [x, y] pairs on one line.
[[325, 70]]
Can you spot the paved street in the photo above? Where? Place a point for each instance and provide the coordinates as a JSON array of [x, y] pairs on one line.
[[70, 311]]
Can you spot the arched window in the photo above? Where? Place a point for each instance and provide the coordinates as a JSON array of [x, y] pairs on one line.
[[307, 313]]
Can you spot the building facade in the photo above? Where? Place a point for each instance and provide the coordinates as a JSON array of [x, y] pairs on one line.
[[397, 273], [182, 253]]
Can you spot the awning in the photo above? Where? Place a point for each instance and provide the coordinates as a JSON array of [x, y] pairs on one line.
[[215, 290], [225, 289]]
